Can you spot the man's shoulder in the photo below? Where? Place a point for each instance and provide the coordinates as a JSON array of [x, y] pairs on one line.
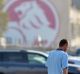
[[64, 54], [52, 52], [58, 51]]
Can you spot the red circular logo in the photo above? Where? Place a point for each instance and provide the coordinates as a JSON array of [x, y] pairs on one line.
[[37, 19]]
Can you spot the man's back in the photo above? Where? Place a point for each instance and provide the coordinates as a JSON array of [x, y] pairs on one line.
[[56, 62]]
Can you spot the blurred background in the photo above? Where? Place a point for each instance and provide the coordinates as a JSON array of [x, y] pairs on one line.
[[37, 25], [66, 21]]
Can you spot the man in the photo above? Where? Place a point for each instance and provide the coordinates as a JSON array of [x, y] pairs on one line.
[[57, 61]]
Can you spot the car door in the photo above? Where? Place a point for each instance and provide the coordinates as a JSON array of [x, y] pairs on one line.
[[37, 63], [15, 62], [3, 67]]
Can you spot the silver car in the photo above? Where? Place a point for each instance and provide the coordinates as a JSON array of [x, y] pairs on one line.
[[22, 62]]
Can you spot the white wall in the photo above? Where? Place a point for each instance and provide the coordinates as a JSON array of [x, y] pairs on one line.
[[62, 7]]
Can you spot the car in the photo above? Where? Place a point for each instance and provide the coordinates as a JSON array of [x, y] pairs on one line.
[[74, 69], [78, 52], [22, 61], [75, 52], [74, 60]]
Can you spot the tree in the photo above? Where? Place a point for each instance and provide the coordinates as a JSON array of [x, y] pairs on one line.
[[3, 19]]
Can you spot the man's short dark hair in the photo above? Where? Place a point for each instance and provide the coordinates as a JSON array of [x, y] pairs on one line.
[[63, 42]]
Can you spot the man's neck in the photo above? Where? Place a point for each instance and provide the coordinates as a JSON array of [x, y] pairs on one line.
[[60, 49]]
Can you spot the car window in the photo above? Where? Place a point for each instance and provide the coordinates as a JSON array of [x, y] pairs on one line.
[[13, 57], [78, 52], [36, 58], [1, 57]]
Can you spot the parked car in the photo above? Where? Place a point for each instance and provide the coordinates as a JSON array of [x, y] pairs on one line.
[[22, 62], [26, 62], [74, 60], [78, 52], [74, 69]]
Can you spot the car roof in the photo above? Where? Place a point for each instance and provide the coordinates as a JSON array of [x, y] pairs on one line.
[[74, 65], [22, 50], [75, 58]]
